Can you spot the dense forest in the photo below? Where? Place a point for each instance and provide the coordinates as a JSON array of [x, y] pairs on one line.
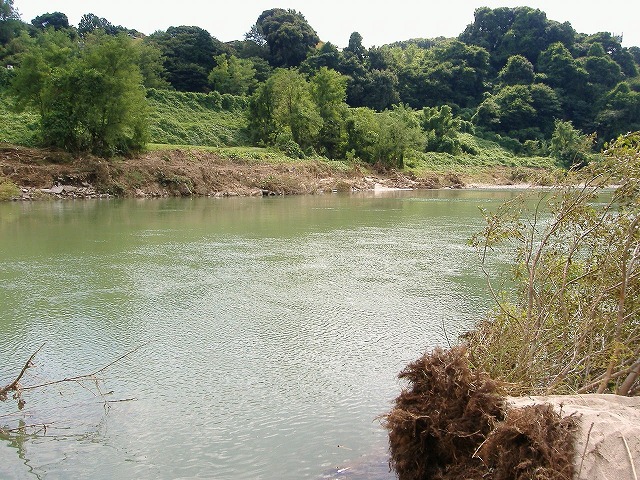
[[513, 76]]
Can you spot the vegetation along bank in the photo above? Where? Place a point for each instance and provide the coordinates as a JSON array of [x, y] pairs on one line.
[[515, 95]]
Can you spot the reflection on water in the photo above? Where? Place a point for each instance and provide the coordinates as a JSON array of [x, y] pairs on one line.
[[275, 328]]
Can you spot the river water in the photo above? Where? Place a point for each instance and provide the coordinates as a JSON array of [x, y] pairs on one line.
[[269, 331]]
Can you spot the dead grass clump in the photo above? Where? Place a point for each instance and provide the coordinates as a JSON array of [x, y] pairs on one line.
[[533, 443], [442, 417]]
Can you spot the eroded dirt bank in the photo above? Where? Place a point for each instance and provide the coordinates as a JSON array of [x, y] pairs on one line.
[[181, 172]]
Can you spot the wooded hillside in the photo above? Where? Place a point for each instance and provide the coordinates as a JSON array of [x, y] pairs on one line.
[[512, 76]]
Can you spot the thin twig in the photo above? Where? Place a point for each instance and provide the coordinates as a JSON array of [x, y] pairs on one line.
[[88, 376], [446, 337], [584, 452], [633, 467]]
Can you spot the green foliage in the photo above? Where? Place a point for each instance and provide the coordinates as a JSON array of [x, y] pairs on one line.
[[56, 20], [442, 130], [90, 96], [602, 70], [287, 34], [91, 23], [449, 72], [8, 190], [398, 133], [8, 11], [517, 71], [189, 54], [570, 324], [150, 62], [512, 71], [329, 92], [233, 75], [620, 111], [20, 128], [10, 24], [524, 112], [570, 146], [515, 31], [284, 105], [362, 133], [187, 118]]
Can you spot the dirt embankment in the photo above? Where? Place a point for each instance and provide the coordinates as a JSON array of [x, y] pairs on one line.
[[184, 172]]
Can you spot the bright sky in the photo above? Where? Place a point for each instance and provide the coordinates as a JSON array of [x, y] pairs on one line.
[[378, 21]]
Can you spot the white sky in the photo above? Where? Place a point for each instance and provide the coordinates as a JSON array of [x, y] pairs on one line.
[[378, 21]]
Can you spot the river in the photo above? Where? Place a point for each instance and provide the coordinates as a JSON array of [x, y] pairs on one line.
[[269, 332]]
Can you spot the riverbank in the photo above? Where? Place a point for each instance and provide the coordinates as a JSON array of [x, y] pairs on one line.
[[37, 173]]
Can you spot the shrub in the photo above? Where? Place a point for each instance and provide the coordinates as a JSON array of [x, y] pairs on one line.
[[8, 190], [570, 323]]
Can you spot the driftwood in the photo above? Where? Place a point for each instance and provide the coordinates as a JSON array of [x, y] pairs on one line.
[[15, 388]]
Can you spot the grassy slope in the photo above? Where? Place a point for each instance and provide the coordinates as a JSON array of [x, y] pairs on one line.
[[179, 118]]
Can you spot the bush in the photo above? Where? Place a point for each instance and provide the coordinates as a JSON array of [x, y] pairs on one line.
[[8, 190], [570, 323]]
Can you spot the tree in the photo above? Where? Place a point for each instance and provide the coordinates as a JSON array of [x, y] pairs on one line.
[[189, 54], [151, 64], [233, 75], [90, 22], [524, 112], [56, 20], [10, 24], [90, 96], [442, 130], [362, 132], [561, 69], [619, 112], [515, 31], [355, 47], [612, 45], [326, 55], [329, 92], [602, 70], [569, 79], [449, 72], [288, 35], [381, 90], [282, 109], [570, 146], [7, 11], [398, 133], [517, 71]]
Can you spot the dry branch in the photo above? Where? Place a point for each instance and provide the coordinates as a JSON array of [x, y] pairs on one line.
[[17, 389]]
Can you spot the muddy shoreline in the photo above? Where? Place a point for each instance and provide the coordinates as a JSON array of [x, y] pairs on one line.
[[44, 174]]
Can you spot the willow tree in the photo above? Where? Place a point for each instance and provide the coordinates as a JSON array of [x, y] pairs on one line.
[[89, 95]]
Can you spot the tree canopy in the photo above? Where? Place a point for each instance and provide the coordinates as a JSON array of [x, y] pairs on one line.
[[288, 35]]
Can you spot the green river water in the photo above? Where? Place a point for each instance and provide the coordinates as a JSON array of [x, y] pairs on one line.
[[270, 331]]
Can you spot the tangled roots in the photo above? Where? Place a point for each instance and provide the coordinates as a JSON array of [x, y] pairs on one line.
[[451, 422], [439, 421], [533, 443]]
